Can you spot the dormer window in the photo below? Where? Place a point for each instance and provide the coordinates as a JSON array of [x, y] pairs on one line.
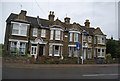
[[43, 33], [35, 32]]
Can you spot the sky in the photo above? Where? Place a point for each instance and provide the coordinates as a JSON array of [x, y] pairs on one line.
[[102, 14]]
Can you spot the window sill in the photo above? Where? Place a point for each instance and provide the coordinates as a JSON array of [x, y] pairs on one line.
[[19, 35], [56, 55]]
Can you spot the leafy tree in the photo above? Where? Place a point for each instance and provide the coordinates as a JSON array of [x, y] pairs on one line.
[[113, 48]]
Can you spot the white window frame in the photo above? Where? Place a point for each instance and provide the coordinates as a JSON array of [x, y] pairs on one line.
[[51, 34], [33, 52], [58, 53], [75, 52], [35, 32], [43, 33], [90, 39], [13, 46], [57, 34], [84, 38], [50, 50], [94, 40], [76, 37], [71, 37], [20, 29], [100, 41], [70, 52], [89, 53], [23, 47], [61, 35]]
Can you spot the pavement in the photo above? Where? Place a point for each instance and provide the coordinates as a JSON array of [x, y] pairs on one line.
[[36, 66]]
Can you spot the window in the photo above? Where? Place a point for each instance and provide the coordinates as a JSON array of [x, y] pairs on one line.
[[33, 50], [61, 35], [23, 29], [75, 52], [50, 50], [99, 40], [35, 32], [57, 35], [103, 40], [15, 29], [94, 40], [103, 52], [89, 53], [75, 37], [89, 39], [56, 51], [19, 29], [51, 34], [43, 33], [71, 37], [98, 52], [22, 48], [84, 38], [94, 52], [70, 51], [13, 47]]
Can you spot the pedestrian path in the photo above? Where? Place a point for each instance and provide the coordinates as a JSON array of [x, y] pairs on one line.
[[15, 65]]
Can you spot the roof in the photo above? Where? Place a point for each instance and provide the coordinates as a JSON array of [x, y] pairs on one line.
[[44, 23]]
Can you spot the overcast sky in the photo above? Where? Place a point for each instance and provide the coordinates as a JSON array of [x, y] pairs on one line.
[[100, 14]]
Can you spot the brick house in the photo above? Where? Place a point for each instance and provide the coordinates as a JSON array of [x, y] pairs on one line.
[[50, 37]]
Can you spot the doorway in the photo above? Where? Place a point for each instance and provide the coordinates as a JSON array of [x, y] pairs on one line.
[[40, 53]]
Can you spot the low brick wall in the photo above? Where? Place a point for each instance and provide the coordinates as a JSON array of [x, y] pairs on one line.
[[20, 60]]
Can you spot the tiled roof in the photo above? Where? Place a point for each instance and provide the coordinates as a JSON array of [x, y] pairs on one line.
[[38, 22]]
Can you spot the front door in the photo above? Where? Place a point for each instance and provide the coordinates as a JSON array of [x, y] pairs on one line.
[[40, 50]]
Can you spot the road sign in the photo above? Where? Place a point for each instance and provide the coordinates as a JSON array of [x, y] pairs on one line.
[[78, 45]]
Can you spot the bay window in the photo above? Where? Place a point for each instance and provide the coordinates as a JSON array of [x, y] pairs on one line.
[[13, 47], [56, 50], [50, 50], [89, 53], [101, 40], [22, 48], [89, 39], [70, 52], [75, 37], [70, 37], [75, 52], [51, 34], [19, 29], [57, 35], [99, 52], [17, 47]]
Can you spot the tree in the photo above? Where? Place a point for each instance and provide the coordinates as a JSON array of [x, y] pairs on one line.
[[113, 48]]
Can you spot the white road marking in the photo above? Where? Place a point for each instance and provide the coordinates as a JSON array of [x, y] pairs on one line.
[[101, 75]]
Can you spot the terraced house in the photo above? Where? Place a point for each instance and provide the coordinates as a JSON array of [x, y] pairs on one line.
[[52, 37]]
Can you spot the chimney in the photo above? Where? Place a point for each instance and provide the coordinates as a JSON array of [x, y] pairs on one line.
[[87, 23], [51, 16], [22, 15], [67, 20]]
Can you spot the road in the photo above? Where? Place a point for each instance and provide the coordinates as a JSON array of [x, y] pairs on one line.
[[79, 72]]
